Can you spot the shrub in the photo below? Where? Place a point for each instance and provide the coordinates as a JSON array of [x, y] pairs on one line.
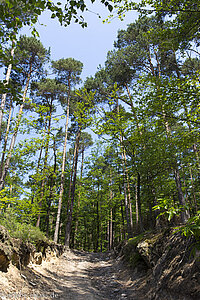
[[24, 231]]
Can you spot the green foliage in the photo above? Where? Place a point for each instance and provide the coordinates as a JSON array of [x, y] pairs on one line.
[[192, 227], [167, 207], [19, 229], [5, 199]]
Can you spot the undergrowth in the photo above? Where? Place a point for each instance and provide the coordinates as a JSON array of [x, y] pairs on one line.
[[24, 231]]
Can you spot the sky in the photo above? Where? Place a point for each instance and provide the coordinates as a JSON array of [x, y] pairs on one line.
[[89, 45]]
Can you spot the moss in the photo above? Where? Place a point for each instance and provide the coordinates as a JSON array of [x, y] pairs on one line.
[[130, 252], [154, 238], [138, 249]]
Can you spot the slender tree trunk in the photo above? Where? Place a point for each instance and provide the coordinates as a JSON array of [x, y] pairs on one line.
[[128, 189], [139, 220], [127, 210], [38, 164], [133, 110], [63, 169], [126, 202], [129, 230], [184, 212], [193, 190], [71, 178], [184, 183], [97, 222], [12, 144], [52, 182], [69, 221], [79, 194], [123, 235], [195, 149], [111, 215], [45, 163], [3, 97], [6, 138]]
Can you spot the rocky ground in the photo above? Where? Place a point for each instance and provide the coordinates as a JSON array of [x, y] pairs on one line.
[[73, 276]]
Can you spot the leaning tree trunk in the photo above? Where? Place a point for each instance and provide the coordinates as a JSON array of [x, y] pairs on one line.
[[6, 137], [3, 97], [12, 144]]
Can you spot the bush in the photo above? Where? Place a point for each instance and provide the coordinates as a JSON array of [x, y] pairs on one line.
[[24, 231]]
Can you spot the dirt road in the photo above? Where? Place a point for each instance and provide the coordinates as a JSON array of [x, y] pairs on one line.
[[73, 276]]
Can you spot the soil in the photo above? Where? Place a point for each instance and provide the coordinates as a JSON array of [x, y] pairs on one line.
[[74, 276]]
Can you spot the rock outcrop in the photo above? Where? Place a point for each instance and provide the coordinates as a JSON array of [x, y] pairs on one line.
[[170, 263], [21, 254]]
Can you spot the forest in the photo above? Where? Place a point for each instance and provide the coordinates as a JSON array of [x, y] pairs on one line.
[[90, 164]]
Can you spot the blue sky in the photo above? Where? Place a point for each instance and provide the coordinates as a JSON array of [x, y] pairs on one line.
[[89, 45]]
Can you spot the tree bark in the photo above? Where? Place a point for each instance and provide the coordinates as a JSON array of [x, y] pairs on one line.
[[52, 182], [111, 215], [12, 144], [139, 220], [69, 221], [128, 189], [45, 163], [6, 138], [3, 97], [63, 168], [79, 196]]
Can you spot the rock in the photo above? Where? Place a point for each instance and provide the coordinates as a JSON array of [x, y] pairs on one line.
[[21, 254], [4, 261], [37, 259], [6, 252], [171, 261], [123, 296]]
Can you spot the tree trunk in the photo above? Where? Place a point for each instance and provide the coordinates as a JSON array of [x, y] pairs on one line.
[[63, 169], [45, 163], [139, 221], [52, 182], [69, 221], [129, 231], [12, 144], [97, 223], [79, 195], [133, 110], [111, 215], [6, 138], [38, 164], [3, 97], [184, 213], [129, 192], [193, 190]]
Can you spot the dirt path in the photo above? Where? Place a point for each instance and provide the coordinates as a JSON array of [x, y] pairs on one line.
[[74, 276]]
